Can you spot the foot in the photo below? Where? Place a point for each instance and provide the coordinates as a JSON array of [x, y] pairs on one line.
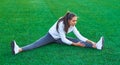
[[100, 43], [15, 47]]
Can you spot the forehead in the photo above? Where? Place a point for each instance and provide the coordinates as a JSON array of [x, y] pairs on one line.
[[74, 18]]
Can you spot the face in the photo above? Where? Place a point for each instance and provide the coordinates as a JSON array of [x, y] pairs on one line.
[[73, 21]]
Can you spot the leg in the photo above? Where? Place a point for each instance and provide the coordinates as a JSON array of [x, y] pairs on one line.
[[82, 44], [42, 41], [71, 39], [87, 45]]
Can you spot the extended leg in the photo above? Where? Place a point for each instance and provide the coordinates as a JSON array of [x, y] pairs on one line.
[[42, 41]]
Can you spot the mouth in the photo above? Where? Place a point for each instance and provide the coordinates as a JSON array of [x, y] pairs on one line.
[[74, 24]]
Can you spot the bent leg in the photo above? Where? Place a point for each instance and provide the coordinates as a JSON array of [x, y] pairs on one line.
[[42, 41]]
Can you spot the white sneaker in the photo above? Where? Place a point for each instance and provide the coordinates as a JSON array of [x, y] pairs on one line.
[[15, 47], [99, 44]]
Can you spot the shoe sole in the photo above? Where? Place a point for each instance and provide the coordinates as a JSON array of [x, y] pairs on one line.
[[12, 46], [102, 42]]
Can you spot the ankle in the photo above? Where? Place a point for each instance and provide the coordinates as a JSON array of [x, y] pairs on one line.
[[20, 50], [94, 46]]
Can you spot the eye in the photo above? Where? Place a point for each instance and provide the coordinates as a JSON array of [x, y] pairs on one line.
[[74, 20]]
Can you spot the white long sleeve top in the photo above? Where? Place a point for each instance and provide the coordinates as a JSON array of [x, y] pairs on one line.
[[61, 35]]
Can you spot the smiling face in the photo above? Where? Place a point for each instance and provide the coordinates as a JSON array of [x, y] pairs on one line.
[[73, 21]]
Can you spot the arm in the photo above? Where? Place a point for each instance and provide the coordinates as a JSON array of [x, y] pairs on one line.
[[62, 34], [91, 42], [78, 44], [82, 37], [78, 35]]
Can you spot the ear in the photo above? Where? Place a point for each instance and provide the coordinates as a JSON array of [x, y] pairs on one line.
[[69, 21]]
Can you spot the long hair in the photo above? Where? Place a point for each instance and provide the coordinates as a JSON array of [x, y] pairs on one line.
[[64, 19]]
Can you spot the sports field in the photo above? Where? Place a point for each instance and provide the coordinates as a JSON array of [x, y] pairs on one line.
[[27, 20]]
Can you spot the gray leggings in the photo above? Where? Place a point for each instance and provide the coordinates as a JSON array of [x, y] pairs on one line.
[[47, 39]]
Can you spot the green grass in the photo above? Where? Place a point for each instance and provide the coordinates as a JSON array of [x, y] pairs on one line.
[[27, 20]]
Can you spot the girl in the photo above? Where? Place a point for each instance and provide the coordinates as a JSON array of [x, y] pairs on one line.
[[57, 33]]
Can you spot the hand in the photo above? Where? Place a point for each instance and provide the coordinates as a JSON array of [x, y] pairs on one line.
[[78, 44]]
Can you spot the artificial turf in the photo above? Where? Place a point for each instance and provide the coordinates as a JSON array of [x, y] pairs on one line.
[[27, 20]]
